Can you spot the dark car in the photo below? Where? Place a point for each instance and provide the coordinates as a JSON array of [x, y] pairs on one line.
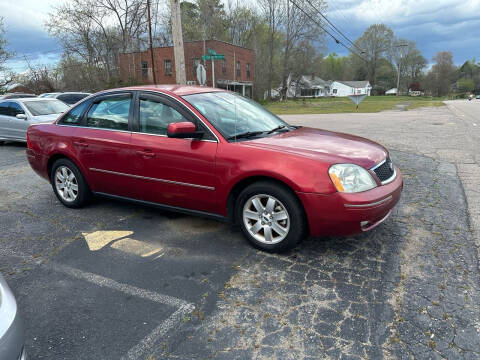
[[70, 98], [211, 152]]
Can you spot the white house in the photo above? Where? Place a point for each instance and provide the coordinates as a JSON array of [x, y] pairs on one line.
[[306, 86], [347, 88]]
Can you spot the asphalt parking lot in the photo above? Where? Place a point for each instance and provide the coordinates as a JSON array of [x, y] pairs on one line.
[[118, 281]]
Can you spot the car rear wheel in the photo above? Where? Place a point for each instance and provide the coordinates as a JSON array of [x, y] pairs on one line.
[[271, 217], [69, 184]]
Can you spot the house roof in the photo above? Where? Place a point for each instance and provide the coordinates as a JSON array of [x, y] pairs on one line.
[[356, 84], [308, 81]]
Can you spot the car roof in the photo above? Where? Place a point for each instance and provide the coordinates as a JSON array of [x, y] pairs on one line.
[[34, 99], [73, 92], [179, 90]]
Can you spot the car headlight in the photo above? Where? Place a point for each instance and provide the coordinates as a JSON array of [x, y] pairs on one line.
[[350, 178]]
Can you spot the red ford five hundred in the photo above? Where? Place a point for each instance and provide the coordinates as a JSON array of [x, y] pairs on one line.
[[211, 152]]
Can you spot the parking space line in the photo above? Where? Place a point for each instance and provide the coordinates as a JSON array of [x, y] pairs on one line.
[[148, 341], [127, 289]]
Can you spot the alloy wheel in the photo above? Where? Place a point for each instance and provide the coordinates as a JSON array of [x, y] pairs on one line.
[[66, 183], [266, 219]]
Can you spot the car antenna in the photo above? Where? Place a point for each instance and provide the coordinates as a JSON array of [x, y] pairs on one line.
[[235, 106]]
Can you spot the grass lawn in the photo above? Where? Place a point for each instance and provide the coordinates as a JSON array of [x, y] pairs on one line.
[[345, 105]]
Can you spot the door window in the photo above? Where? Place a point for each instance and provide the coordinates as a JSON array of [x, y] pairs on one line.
[[4, 108], [110, 113], [73, 117], [155, 116], [15, 109]]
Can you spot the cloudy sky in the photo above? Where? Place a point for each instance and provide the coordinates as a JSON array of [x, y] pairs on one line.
[[436, 25]]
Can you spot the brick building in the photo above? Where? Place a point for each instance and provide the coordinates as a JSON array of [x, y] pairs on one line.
[[235, 73]]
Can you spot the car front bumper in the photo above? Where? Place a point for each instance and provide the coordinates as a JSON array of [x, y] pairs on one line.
[[347, 214], [11, 326]]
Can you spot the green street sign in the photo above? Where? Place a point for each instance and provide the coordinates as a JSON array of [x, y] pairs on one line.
[[213, 57], [211, 52]]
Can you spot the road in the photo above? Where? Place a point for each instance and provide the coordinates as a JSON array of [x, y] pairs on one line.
[[119, 281]]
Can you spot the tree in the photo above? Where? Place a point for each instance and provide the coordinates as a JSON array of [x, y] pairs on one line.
[[96, 31], [4, 56], [408, 61], [272, 10], [376, 43], [465, 85], [334, 67], [298, 27], [439, 79]]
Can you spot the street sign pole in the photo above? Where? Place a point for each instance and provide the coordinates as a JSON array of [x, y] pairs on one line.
[[213, 56], [213, 74]]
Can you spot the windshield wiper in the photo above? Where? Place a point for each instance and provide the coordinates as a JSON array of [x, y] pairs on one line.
[[247, 134], [276, 129]]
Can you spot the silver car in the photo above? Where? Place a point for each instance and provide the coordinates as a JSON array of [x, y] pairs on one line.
[[16, 115], [11, 326]]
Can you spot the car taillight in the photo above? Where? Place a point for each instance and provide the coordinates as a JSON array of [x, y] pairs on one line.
[[29, 145]]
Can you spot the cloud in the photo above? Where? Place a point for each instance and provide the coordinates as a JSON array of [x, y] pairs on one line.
[[436, 25]]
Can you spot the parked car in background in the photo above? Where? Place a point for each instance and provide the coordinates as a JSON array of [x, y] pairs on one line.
[[71, 98], [211, 152], [12, 336], [16, 115], [477, 97], [17, 96], [52, 94]]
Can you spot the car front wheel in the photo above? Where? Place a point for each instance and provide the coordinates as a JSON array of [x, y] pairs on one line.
[[271, 217], [69, 184]]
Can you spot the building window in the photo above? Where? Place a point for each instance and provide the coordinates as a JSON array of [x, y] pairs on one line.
[[195, 63], [224, 67], [144, 69], [168, 67], [334, 91], [239, 73], [248, 70]]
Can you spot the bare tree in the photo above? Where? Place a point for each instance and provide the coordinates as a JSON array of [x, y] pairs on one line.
[[4, 56], [299, 26], [95, 31], [273, 12]]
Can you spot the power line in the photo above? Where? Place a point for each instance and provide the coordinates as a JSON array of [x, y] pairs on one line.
[[333, 26], [324, 29]]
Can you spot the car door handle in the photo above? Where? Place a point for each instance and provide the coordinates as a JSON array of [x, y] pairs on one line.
[[146, 154], [80, 143]]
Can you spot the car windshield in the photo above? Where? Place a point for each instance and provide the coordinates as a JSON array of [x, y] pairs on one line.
[[234, 115], [45, 107]]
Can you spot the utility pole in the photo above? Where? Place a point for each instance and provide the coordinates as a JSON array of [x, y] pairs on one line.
[[398, 65], [179, 55], [151, 43]]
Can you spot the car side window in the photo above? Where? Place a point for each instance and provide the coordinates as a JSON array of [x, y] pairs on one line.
[[73, 117], [4, 108], [110, 113], [15, 109], [155, 116]]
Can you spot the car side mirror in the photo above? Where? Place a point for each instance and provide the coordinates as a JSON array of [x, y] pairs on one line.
[[21, 116], [183, 130]]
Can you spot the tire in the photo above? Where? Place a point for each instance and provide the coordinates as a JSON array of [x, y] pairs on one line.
[[280, 210], [75, 193]]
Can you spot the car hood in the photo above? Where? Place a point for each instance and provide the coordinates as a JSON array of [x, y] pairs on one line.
[[327, 146], [45, 118]]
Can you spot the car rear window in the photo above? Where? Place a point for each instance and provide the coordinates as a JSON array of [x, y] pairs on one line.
[[45, 107]]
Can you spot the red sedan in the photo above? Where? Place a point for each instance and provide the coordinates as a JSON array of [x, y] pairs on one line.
[[211, 152]]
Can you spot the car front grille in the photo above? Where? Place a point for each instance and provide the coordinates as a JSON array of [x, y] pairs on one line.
[[385, 171]]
